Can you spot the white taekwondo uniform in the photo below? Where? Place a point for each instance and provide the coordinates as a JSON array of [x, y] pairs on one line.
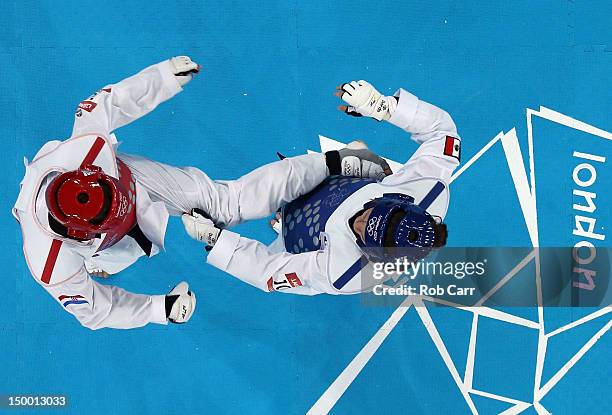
[[317, 250], [62, 266]]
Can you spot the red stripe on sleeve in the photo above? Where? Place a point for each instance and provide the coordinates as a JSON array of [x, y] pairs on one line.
[[63, 297], [93, 152], [51, 258]]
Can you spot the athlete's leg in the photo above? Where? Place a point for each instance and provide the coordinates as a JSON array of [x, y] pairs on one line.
[[253, 196], [262, 191]]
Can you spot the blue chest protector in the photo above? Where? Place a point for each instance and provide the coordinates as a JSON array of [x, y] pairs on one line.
[[305, 217]]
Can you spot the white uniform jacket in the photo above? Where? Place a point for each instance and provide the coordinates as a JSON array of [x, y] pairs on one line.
[[60, 264], [425, 174]]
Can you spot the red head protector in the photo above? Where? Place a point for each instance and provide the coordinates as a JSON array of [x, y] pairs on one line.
[[89, 202]]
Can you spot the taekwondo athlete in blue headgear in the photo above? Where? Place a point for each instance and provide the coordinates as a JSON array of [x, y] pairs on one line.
[[332, 233]]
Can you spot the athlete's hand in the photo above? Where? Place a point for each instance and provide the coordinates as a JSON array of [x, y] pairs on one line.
[[200, 227], [356, 160], [364, 100], [180, 303], [184, 68]]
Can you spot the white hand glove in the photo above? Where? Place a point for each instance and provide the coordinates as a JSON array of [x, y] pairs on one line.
[[356, 160], [364, 99], [184, 68], [180, 303], [200, 228]]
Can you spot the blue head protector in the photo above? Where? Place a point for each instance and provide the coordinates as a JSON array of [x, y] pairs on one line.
[[413, 235]]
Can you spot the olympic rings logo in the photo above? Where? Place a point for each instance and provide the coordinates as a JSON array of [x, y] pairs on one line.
[[372, 223]]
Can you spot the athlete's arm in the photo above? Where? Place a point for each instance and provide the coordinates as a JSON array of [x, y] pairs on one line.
[[97, 306], [431, 127], [119, 104], [255, 263], [440, 146], [252, 262]]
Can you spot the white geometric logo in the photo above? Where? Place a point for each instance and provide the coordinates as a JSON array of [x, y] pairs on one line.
[[527, 201]]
